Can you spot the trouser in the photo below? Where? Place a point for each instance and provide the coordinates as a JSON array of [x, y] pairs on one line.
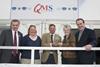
[[14, 59], [28, 61], [50, 60], [84, 57], [98, 60], [68, 60]]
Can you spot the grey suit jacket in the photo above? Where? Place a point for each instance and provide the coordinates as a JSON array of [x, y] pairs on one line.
[[6, 39]]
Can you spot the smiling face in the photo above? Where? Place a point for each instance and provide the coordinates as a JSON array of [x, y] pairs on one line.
[[67, 30], [80, 24], [52, 29], [32, 30], [15, 25]]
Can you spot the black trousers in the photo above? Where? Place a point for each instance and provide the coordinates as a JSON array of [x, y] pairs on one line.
[[84, 57], [14, 59], [69, 60], [97, 60]]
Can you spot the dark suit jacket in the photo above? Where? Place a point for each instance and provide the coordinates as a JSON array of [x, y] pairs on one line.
[[88, 37], [6, 39], [98, 45]]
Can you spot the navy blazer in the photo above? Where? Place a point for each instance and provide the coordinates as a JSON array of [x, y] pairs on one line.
[[88, 37], [98, 45]]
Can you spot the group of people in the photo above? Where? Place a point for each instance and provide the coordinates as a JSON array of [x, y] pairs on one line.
[[84, 37]]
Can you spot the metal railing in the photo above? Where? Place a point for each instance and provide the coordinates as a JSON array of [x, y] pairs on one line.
[[47, 48]]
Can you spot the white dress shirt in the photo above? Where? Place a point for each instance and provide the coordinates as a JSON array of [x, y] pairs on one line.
[[13, 32]]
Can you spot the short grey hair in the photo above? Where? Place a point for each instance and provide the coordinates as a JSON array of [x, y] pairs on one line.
[[67, 26]]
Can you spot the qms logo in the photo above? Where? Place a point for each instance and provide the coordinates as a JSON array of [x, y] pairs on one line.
[[39, 8]]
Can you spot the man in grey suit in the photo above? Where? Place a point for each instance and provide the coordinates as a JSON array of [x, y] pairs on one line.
[[10, 37]]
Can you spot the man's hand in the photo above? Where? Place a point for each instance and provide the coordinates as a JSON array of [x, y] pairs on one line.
[[88, 47]]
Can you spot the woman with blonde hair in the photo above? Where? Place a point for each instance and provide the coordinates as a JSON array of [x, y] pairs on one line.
[[68, 57]]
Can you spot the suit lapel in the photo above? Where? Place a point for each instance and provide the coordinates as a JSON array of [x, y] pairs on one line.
[[19, 36], [55, 38], [49, 37], [77, 34], [11, 36]]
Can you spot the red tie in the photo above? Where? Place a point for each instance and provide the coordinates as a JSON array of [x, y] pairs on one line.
[[15, 39], [14, 52]]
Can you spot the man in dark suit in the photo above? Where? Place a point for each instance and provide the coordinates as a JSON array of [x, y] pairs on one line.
[[85, 38], [10, 37]]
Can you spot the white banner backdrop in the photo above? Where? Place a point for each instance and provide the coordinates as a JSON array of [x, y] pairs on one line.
[[50, 9], [5, 6], [44, 9], [89, 9]]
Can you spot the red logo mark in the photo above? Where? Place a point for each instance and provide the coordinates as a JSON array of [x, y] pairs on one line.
[[39, 8]]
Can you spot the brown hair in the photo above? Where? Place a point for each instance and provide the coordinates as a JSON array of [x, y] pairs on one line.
[[80, 19], [15, 20], [51, 25], [30, 27]]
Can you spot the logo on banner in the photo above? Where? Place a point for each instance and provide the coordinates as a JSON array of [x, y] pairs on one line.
[[39, 8]]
